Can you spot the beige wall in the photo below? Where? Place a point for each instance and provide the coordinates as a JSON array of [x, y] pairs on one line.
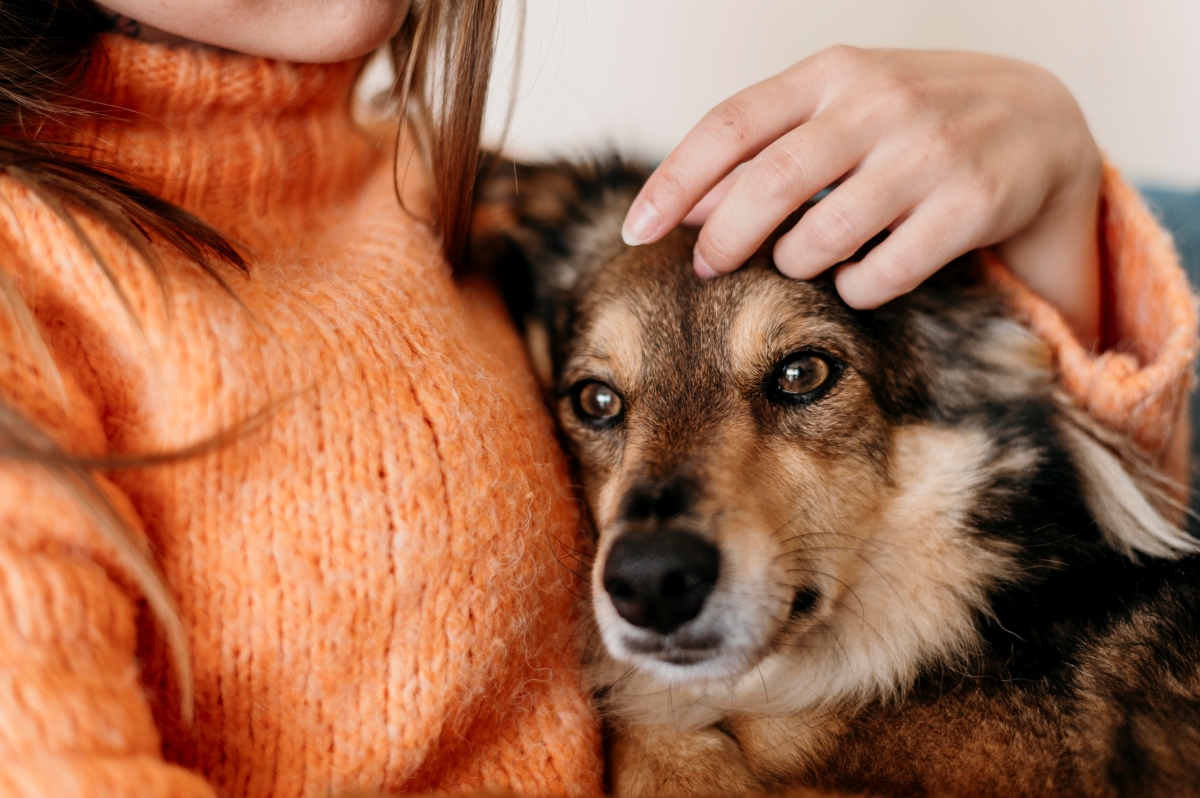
[[636, 74]]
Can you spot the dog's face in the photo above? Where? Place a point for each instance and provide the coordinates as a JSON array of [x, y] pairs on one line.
[[795, 503], [737, 441], [730, 446]]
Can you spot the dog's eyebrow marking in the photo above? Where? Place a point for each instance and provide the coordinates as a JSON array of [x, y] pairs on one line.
[[615, 337], [756, 322], [770, 320]]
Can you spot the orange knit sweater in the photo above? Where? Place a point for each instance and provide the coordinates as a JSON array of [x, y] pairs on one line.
[[371, 581]]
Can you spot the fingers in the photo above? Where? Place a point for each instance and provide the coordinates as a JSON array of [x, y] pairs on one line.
[[774, 184], [837, 226], [931, 237], [704, 208], [729, 134]]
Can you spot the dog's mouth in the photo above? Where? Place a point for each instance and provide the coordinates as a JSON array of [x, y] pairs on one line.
[[681, 649], [683, 622], [687, 601], [680, 657]]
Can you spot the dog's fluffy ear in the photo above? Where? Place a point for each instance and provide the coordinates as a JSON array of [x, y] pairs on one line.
[[538, 230], [1131, 501], [522, 210]]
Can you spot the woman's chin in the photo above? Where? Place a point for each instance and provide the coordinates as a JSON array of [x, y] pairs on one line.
[[303, 31]]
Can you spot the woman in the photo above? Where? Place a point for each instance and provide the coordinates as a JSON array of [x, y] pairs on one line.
[[282, 511]]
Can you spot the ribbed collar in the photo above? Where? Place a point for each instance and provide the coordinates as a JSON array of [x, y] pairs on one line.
[[259, 148], [183, 85]]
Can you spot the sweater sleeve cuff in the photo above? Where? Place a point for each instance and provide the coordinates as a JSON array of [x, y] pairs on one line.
[[1139, 384]]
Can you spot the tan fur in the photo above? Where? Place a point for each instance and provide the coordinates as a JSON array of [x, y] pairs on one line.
[[537, 341], [664, 761], [901, 589], [768, 321], [614, 350]]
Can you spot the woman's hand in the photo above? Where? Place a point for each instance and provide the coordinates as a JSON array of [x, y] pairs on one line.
[[950, 151]]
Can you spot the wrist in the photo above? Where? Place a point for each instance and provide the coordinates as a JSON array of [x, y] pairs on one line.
[[1058, 254]]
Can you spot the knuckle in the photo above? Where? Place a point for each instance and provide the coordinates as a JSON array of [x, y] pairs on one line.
[[831, 231], [939, 145], [900, 98], [948, 137], [779, 174], [984, 188], [901, 272], [731, 123], [669, 186], [973, 206], [840, 57]]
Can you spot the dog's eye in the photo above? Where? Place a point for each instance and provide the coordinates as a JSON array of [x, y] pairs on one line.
[[800, 376], [595, 401], [803, 374]]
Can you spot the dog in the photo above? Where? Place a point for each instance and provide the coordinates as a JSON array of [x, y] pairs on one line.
[[872, 552]]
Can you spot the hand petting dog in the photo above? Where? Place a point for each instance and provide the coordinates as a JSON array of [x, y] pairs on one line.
[[949, 151]]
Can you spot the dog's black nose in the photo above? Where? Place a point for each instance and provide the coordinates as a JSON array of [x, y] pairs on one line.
[[659, 580]]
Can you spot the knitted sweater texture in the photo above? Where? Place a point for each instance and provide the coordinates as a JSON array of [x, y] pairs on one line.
[[370, 579], [376, 580]]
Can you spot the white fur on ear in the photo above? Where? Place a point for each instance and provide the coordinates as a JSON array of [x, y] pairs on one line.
[[1120, 491], [537, 341]]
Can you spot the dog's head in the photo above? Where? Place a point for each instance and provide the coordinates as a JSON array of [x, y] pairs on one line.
[[772, 474]]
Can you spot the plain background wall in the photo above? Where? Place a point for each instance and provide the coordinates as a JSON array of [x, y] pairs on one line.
[[637, 74]]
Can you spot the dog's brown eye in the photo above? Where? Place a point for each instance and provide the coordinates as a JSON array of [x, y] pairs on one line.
[[597, 401], [803, 374], [802, 378]]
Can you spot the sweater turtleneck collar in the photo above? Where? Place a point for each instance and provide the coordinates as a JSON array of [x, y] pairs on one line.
[[246, 143]]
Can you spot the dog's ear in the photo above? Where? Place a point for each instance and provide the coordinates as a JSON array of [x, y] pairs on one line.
[[1132, 501], [539, 230]]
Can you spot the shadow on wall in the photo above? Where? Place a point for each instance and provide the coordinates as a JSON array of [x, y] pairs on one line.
[[1180, 213]]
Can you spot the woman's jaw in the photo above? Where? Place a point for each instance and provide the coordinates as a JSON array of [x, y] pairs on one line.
[[307, 31]]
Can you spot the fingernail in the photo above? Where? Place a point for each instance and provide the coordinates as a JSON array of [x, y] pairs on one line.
[[703, 270], [640, 224]]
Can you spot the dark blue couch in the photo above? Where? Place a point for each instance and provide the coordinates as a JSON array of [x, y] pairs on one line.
[[1180, 213]]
